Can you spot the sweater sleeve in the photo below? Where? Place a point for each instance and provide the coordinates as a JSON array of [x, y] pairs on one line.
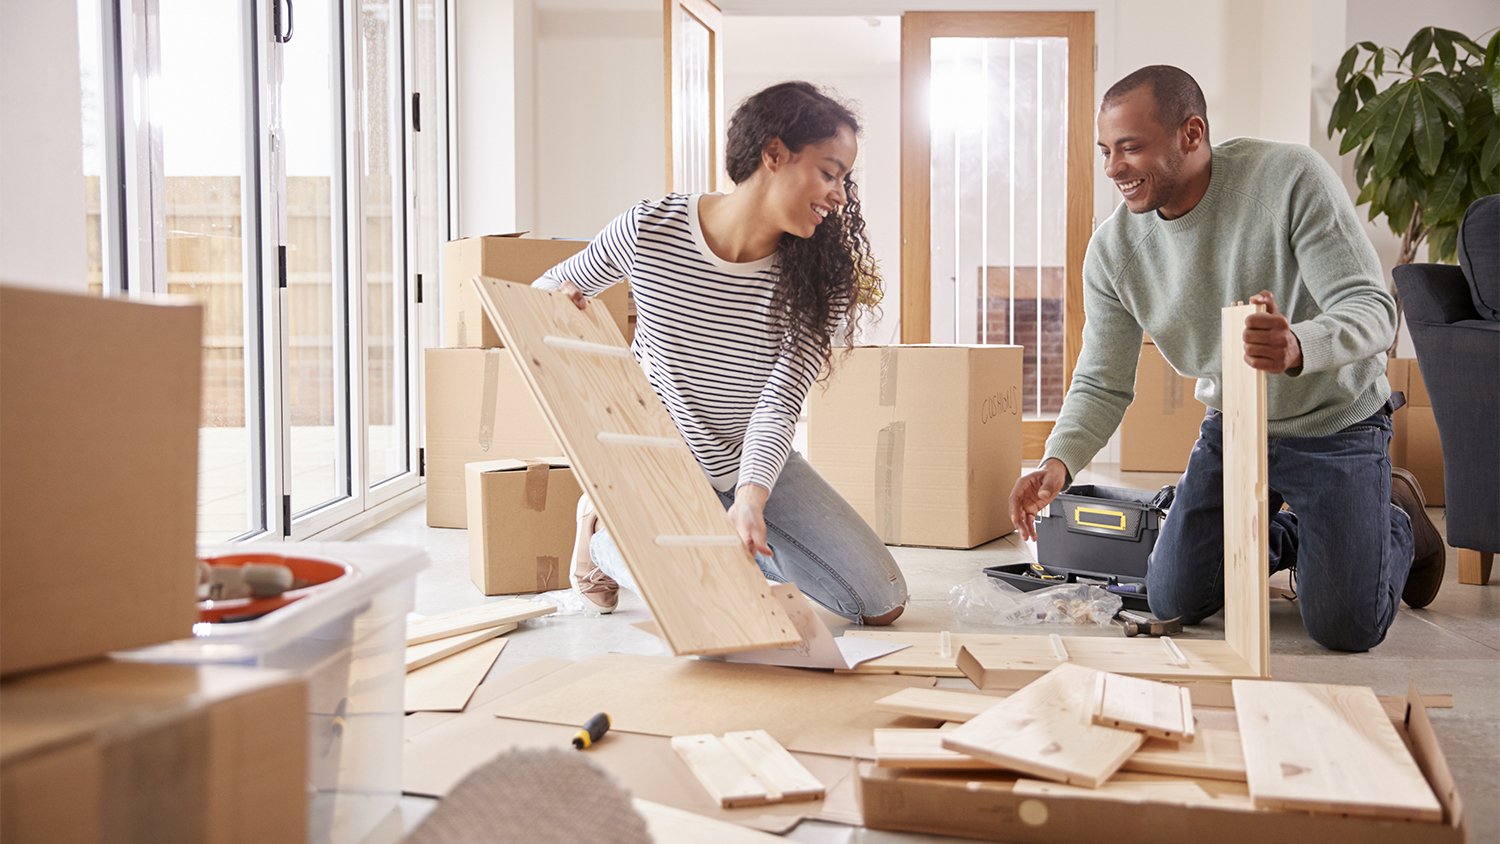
[[606, 261], [1339, 267], [1104, 377], [768, 437]]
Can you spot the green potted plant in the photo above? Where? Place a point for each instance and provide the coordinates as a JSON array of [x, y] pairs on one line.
[[1428, 144]]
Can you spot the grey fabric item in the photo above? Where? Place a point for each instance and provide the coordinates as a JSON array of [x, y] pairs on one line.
[[535, 796], [1458, 353], [1479, 254]]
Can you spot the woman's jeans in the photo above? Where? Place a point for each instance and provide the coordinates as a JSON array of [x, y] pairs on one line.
[[1352, 548], [817, 542]]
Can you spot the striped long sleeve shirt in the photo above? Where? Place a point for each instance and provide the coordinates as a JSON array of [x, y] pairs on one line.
[[704, 337]]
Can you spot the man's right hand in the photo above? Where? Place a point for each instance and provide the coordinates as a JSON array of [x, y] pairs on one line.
[[1034, 491]]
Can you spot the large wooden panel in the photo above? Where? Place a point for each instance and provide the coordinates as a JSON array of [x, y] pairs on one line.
[[1322, 748], [706, 592], [1047, 730], [1013, 661], [1246, 541]]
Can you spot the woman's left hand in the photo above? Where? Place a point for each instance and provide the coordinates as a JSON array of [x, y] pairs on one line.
[[747, 514]]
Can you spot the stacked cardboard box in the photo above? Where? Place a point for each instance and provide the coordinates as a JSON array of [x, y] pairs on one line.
[[1161, 424], [923, 441], [1415, 444], [478, 405], [521, 524]]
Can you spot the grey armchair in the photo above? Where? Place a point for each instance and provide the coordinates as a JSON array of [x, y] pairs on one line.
[[1454, 316]]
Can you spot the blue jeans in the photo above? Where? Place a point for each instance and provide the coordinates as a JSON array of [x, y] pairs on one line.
[[817, 542], [1352, 548]]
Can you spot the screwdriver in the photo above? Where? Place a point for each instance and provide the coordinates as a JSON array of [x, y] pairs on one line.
[[593, 730]]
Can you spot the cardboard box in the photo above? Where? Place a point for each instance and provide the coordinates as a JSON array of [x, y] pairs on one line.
[[99, 407], [478, 408], [522, 516], [509, 257], [923, 441], [984, 806], [1161, 424], [1415, 444], [127, 752], [1397, 372]]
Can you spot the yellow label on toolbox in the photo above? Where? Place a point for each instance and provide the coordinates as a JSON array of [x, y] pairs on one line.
[[1110, 514]]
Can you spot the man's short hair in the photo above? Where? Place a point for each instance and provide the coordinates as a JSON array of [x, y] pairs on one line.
[[1177, 94]]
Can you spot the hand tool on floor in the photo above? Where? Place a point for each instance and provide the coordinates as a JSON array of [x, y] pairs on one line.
[[1145, 625], [593, 730]]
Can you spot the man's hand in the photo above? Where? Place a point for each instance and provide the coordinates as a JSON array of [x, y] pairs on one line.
[[1270, 344], [1034, 491], [570, 290], [748, 515]]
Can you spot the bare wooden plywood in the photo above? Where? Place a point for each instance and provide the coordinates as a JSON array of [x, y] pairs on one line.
[[746, 768], [468, 619], [1323, 748], [700, 583], [1047, 730], [1246, 541], [923, 749], [447, 685], [1152, 709], [670, 825], [419, 656], [1014, 661], [1213, 754], [937, 704], [1148, 788]]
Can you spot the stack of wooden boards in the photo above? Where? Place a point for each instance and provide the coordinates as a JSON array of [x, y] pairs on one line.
[[449, 655], [1076, 732]]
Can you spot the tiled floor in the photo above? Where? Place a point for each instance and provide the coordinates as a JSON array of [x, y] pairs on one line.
[[1451, 646]]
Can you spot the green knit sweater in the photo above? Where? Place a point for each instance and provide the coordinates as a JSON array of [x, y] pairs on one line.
[[1275, 217]]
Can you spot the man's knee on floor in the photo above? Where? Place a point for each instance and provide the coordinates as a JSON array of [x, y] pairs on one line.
[[1342, 635]]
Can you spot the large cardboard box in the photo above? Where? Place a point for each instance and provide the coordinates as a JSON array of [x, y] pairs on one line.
[[1397, 372], [1161, 424], [509, 257], [478, 408], [1415, 444], [923, 441], [985, 806], [99, 405], [131, 752], [521, 524]]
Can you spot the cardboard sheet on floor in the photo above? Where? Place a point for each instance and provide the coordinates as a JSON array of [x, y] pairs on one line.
[[806, 711], [447, 685], [674, 826]]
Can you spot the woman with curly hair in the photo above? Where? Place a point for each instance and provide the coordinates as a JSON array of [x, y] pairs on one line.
[[739, 300]]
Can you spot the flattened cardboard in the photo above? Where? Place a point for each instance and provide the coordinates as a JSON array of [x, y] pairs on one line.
[[521, 524], [478, 408], [667, 696], [447, 685], [154, 753], [515, 258], [922, 440], [99, 415], [1161, 425]]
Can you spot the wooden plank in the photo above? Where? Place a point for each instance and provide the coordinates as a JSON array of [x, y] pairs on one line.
[[1323, 748], [420, 656], [1246, 508], [1011, 662], [1153, 709], [1213, 754], [1147, 788], [468, 619], [669, 825], [937, 704], [923, 749], [1047, 730], [644, 482], [746, 768], [446, 686], [925, 656]]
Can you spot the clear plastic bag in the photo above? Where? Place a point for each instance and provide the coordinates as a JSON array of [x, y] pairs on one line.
[[989, 601]]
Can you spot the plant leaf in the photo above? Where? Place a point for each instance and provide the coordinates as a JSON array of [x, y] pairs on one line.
[[1443, 199], [1380, 63], [1393, 130], [1492, 70], [1362, 164], [1365, 88], [1418, 47], [1489, 159], [1346, 64], [1366, 119], [1443, 38], [1442, 88], [1427, 129], [1468, 44]]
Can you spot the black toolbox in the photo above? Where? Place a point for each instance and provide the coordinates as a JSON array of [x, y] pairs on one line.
[[1094, 534]]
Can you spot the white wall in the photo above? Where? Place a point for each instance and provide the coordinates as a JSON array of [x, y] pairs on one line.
[[41, 147], [494, 103]]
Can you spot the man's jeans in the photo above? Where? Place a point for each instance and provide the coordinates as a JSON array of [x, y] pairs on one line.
[[1351, 547], [817, 541]]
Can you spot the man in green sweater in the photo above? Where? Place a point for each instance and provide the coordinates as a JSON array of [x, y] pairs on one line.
[[1247, 220]]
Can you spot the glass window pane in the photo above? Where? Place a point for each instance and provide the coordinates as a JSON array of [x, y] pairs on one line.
[[383, 249], [91, 75], [315, 302], [199, 104]]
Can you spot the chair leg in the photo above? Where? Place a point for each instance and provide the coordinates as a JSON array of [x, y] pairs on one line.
[[1474, 566]]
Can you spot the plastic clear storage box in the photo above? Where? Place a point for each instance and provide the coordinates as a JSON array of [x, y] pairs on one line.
[[347, 638]]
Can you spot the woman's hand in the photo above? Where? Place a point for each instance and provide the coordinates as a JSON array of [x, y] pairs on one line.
[[748, 515], [570, 290]]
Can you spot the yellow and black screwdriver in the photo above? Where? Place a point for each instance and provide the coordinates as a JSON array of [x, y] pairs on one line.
[[593, 730]]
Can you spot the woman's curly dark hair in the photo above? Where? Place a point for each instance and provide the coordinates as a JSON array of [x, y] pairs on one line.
[[830, 280]]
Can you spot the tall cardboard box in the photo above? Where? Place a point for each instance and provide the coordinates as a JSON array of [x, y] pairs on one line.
[[1415, 444], [513, 258], [521, 524], [132, 752], [1161, 424], [923, 441], [478, 408], [99, 407], [1397, 372]]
